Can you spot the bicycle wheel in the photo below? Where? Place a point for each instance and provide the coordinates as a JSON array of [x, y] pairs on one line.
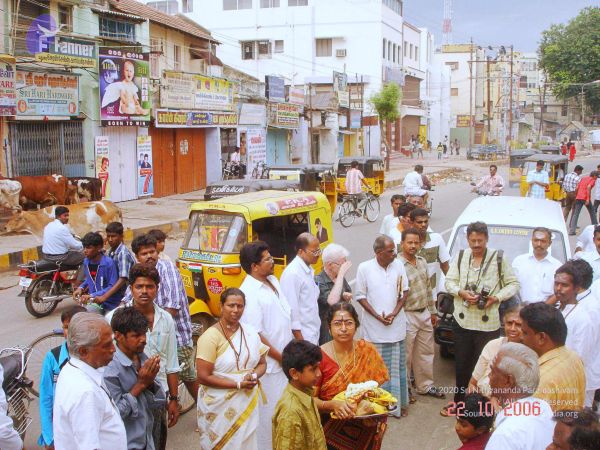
[[347, 214], [372, 209], [36, 354]]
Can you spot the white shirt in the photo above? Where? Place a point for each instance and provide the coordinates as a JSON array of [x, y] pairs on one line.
[[85, 417], [269, 313], [58, 240], [593, 258], [301, 291], [532, 429], [9, 438], [380, 288], [535, 190], [235, 157], [535, 277], [388, 223], [596, 192], [413, 183], [585, 240], [586, 335]]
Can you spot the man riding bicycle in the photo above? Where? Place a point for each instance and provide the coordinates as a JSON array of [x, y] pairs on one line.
[[354, 181]]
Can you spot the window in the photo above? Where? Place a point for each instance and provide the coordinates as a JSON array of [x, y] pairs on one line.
[[412, 48], [248, 50], [156, 51], [264, 49], [324, 47], [523, 81], [116, 29], [453, 65], [564, 110], [454, 92], [389, 51], [229, 5], [394, 5], [65, 17], [168, 7], [416, 53], [394, 54], [384, 46], [187, 6], [269, 3], [297, 2], [278, 46], [177, 57], [399, 53], [405, 48]]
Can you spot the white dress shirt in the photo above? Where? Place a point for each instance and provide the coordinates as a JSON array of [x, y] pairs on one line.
[[532, 429], [85, 417], [380, 288], [269, 313], [585, 240], [302, 293], [593, 258], [413, 184], [58, 239], [588, 336], [388, 223], [9, 438], [536, 277]]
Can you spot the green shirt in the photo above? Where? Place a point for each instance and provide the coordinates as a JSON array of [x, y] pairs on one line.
[[296, 422]]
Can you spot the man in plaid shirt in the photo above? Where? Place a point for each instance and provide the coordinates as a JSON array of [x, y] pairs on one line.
[[569, 185]]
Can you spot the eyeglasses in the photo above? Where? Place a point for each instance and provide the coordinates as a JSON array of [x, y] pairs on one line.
[[347, 323], [269, 259], [314, 252]]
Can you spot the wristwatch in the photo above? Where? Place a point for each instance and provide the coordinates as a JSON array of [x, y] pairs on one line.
[[173, 398]]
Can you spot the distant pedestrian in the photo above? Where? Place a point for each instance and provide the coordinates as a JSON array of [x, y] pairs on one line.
[[563, 149], [445, 144], [420, 150], [457, 147], [451, 148], [583, 198], [570, 184], [440, 150], [529, 144], [572, 152]]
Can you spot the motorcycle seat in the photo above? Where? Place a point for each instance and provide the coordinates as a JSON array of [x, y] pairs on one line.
[[11, 363], [44, 265]]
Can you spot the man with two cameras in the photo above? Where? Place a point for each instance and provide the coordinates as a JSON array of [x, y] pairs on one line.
[[479, 279]]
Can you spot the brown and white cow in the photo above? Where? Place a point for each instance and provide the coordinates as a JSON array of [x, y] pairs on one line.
[[9, 194], [88, 189], [45, 190], [83, 218]]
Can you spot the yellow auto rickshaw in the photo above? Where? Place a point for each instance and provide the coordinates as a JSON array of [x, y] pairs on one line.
[[209, 260], [372, 168], [310, 177], [555, 165]]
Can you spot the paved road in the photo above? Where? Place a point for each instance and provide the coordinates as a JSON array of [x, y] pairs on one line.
[[423, 429]]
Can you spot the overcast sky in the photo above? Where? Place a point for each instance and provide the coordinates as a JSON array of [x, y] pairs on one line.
[[495, 22]]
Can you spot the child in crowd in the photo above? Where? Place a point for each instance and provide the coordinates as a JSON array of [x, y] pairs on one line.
[[296, 422], [160, 237], [53, 362], [474, 422]]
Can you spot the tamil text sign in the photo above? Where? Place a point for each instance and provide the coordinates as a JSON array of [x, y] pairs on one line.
[[284, 115], [66, 51], [190, 91], [47, 94], [8, 93], [463, 121], [194, 119]]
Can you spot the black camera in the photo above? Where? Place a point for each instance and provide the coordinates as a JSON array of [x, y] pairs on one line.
[[483, 298]]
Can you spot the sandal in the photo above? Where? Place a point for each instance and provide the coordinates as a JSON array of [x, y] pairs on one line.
[[434, 392], [445, 411]]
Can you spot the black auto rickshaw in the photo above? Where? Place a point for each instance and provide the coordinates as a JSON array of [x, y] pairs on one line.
[[309, 177], [227, 188], [517, 158], [372, 167]]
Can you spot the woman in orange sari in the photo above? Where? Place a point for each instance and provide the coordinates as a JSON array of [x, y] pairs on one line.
[[348, 361]]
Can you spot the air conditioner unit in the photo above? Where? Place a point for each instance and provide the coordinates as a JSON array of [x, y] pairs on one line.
[[340, 53]]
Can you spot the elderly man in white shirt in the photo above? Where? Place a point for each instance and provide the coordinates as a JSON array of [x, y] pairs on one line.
[[85, 417], [300, 289], [593, 256], [526, 422], [58, 244], [535, 270], [9, 438], [381, 288], [268, 312]]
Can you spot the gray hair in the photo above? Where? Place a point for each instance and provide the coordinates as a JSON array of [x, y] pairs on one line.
[[380, 242], [333, 252], [521, 362], [84, 331]]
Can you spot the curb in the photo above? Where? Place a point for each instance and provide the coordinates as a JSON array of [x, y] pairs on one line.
[[9, 261]]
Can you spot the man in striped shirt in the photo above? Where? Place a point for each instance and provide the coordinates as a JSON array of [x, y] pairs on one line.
[[570, 184], [120, 254]]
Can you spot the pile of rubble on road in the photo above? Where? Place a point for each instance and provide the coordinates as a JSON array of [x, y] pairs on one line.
[[452, 175]]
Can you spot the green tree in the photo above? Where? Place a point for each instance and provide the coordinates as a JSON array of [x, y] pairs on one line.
[[386, 104], [571, 54]]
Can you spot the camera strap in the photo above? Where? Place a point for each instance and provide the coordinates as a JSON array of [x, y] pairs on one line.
[[483, 271]]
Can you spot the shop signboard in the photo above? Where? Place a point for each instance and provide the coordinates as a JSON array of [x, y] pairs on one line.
[[296, 95], [284, 115], [191, 91], [256, 147], [355, 116], [463, 121], [193, 119], [340, 87], [275, 89], [102, 164], [8, 93], [145, 178], [253, 114], [125, 98], [66, 51], [47, 94]]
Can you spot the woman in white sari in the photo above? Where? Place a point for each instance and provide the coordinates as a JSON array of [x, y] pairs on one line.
[[230, 361]]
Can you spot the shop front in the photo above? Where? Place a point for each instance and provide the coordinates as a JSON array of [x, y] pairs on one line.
[[252, 135], [283, 120]]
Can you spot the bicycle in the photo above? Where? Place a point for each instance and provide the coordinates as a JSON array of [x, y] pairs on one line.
[[260, 167], [349, 211]]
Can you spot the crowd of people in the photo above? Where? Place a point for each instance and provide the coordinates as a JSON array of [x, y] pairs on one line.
[[267, 373]]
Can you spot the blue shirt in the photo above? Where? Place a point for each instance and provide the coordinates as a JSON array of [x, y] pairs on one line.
[[106, 277], [47, 385], [535, 190], [123, 258]]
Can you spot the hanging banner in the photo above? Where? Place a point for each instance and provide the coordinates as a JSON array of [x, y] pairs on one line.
[[193, 119], [296, 95], [253, 114], [284, 115], [275, 89], [145, 179], [340, 87], [124, 87], [256, 144], [8, 93], [190, 91], [47, 94], [102, 164]]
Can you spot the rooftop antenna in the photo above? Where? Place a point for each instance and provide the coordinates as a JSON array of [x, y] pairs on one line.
[[447, 23]]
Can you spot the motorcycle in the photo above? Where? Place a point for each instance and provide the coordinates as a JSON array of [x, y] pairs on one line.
[[45, 284], [16, 386], [483, 193]]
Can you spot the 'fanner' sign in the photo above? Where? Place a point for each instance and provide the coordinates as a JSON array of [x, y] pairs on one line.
[[65, 51]]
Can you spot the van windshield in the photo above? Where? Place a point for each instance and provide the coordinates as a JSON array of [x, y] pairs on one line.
[[514, 241], [216, 232]]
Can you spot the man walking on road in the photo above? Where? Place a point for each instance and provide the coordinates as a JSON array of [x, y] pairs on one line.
[[584, 197], [570, 184], [381, 287], [421, 315]]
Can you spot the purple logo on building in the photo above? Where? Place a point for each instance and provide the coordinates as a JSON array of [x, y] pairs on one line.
[[40, 35]]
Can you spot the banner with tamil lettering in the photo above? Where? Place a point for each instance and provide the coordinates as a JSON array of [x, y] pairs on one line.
[[8, 92], [193, 119], [47, 94], [181, 90]]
